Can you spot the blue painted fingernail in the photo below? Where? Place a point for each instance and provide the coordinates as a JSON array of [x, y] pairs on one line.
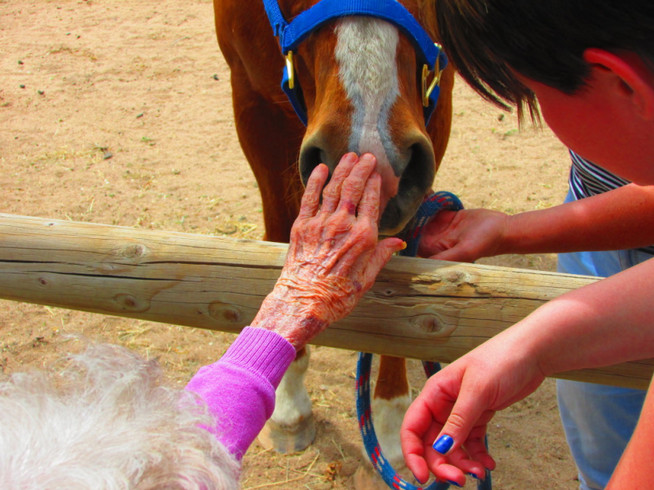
[[443, 444], [453, 483], [474, 476]]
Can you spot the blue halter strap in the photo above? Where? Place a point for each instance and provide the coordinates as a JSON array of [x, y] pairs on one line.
[[291, 34]]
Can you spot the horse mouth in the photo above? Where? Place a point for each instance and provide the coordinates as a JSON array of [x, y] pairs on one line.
[[398, 213], [415, 183]]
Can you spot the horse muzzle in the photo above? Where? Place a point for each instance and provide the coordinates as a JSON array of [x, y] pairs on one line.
[[407, 172]]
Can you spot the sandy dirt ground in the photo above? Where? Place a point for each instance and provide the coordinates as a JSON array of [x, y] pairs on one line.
[[120, 113]]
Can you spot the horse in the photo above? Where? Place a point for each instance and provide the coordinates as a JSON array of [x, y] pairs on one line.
[[354, 80]]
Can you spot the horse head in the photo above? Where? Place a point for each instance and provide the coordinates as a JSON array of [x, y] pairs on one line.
[[356, 78], [361, 81]]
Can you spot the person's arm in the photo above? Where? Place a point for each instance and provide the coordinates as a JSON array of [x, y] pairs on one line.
[[239, 389], [333, 259], [614, 220], [634, 469], [605, 323]]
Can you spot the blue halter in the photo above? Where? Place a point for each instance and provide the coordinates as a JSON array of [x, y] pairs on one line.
[[292, 34]]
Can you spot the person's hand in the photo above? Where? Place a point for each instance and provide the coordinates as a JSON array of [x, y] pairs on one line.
[[444, 429], [334, 255], [463, 236]]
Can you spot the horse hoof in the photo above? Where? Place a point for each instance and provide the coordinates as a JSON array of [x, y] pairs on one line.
[[288, 438]]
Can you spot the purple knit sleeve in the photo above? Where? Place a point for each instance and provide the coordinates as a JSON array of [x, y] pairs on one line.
[[240, 387]]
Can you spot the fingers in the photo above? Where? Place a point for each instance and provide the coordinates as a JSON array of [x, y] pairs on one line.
[[383, 253], [444, 429], [421, 458], [454, 254], [311, 198], [331, 196], [436, 235], [352, 186], [467, 413], [418, 427], [477, 450], [414, 456], [471, 459], [370, 200], [349, 183], [360, 183]]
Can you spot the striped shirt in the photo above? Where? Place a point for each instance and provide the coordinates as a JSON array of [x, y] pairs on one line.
[[588, 179]]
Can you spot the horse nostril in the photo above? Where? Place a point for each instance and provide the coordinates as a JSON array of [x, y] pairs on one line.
[[416, 179], [419, 172], [310, 157]]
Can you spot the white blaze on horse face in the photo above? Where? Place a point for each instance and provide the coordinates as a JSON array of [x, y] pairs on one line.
[[365, 51]]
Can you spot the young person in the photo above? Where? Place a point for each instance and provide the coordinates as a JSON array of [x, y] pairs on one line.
[[590, 68], [598, 420]]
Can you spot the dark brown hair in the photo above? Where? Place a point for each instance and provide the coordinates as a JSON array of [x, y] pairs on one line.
[[543, 40]]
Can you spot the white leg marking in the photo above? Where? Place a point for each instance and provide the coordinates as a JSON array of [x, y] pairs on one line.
[[292, 400], [387, 415]]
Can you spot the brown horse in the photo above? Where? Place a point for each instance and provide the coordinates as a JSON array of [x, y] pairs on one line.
[[361, 87]]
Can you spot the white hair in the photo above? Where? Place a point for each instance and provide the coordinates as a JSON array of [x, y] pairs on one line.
[[106, 422]]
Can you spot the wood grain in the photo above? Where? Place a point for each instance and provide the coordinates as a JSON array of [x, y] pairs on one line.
[[424, 309]]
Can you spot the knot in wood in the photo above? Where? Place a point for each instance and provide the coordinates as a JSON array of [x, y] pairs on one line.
[[432, 324], [127, 302], [224, 312], [455, 277], [134, 251], [428, 323]]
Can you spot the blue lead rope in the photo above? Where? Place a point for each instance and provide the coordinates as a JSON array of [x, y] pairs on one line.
[[370, 442], [431, 206]]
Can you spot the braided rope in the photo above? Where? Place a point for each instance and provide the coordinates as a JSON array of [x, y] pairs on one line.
[[370, 442], [435, 203]]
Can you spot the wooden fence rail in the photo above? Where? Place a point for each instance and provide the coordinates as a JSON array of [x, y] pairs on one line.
[[424, 309]]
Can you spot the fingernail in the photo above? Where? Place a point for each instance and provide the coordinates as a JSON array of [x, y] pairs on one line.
[[453, 483], [404, 245], [443, 444], [418, 479], [369, 156], [474, 476]]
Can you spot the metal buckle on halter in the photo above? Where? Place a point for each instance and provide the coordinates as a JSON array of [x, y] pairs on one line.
[[427, 90], [290, 70]]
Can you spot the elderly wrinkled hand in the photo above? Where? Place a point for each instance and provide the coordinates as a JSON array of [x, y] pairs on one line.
[[334, 255]]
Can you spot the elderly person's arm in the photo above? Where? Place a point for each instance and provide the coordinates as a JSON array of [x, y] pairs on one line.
[[333, 259]]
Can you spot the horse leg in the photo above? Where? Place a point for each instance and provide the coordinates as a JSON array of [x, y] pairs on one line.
[[390, 401], [270, 140], [291, 427]]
